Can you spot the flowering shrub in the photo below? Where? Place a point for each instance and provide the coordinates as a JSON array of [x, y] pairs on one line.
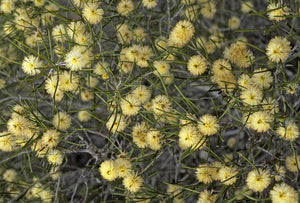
[[149, 101]]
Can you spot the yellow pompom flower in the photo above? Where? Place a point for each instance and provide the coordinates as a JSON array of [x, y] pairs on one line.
[[116, 123], [278, 49], [51, 87], [139, 133], [31, 65], [142, 94], [108, 170], [227, 175], [7, 6], [39, 3], [125, 7], [149, 3], [251, 96], [101, 68], [123, 167], [139, 34], [292, 163], [59, 32], [7, 141], [55, 157], [92, 13], [283, 193], [132, 52], [68, 81], [17, 125], [206, 196], [51, 138], [161, 104], [86, 95], [234, 22], [204, 173], [246, 6], [84, 116], [280, 172], [289, 132], [61, 121], [132, 182], [78, 58], [10, 175], [277, 11], [124, 34], [189, 136], [130, 105], [197, 65], [260, 121], [262, 78], [239, 55], [258, 180], [144, 55], [208, 9], [162, 68], [181, 34], [208, 125], [215, 169], [222, 75], [153, 139]]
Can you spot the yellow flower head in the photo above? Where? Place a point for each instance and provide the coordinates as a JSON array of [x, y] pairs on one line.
[[149, 4], [289, 132], [130, 105], [31, 65], [161, 104], [92, 13], [239, 54], [278, 49], [153, 139], [277, 11], [227, 175], [208, 125], [84, 116], [251, 96], [162, 68], [7, 142], [197, 65], [132, 182], [10, 175], [142, 94], [108, 170], [54, 156], [181, 34], [260, 121], [139, 133], [207, 197], [262, 78], [204, 173], [123, 167], [292, 163], [189, 136], [258, 180], [246, 6], [116, 123], [51, 138], [61, 121], [208, 9], [125, 7], [234, 22], [283, 193]]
